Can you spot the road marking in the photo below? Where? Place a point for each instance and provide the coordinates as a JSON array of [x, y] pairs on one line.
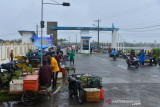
[[57, 90]]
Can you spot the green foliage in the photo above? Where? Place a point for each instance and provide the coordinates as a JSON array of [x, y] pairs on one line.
[[86, 54], [127, 50], [156, 52], [4, 97], [15, 40]]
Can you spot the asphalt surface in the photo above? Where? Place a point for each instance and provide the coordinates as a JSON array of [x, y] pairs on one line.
[[140, 87]]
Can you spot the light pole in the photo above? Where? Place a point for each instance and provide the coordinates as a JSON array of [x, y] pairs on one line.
[[98, 20], [41, 28], [42, 22]]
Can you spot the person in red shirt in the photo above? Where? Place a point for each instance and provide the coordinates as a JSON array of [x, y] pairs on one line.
[[45, 75], [132, 54], [57, 57]]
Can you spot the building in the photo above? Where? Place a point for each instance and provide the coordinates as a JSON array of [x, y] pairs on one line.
[[27, 36]]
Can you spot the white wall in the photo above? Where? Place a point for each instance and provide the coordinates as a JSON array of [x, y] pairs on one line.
[[26, 37]]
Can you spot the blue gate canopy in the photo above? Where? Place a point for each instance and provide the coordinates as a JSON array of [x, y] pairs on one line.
[[85, 28]]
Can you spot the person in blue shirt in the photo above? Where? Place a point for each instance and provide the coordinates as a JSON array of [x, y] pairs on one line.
[[59, 47], [142, 56], [34, 55], [114, 51]]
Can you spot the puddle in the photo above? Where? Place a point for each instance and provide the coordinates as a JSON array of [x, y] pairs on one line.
[[10, 103], [122, 66], [155, 76]]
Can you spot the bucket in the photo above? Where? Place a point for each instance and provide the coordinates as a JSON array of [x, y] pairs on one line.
[[101, 94], [63, 72]]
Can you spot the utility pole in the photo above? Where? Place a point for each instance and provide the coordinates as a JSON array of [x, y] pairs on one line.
[[76, 39], [37, 29], [123, 45], [42, 26], [69, 40], [118, 41], [42, 22], [98, 32]]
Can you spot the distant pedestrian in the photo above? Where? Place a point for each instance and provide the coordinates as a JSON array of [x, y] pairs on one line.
[[11, 55], [72, 53], [91, 49], [77, 49]]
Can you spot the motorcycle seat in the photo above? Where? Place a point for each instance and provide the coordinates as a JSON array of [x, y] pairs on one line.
[[72, 79]]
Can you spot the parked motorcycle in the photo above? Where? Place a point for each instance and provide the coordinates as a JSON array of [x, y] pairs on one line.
[[7, 74], [153, 61], [75, 89], [133, 63]]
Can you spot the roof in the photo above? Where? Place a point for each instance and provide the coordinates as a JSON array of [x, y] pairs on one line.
[[24, 31], [85, 28], [86, 37]]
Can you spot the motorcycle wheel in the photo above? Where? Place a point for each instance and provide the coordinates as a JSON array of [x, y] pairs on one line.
[[128, 64], [137, 65], [114, 57], [155, 63], [70, 93], [80, 96]]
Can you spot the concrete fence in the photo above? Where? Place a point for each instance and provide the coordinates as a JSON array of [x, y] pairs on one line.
[[18, 50]]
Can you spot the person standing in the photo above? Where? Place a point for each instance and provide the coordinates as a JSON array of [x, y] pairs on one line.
[[39, 56], [45, 76], [34, 55], [57, 57], [142, 57], [55, 70], [91, 49], [72, 53], [30, 55], [11, 55]]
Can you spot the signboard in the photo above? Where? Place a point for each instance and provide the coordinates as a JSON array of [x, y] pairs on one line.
[[85, 44], [47, 41]]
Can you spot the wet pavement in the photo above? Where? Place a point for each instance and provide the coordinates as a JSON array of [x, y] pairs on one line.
[[119, 83]]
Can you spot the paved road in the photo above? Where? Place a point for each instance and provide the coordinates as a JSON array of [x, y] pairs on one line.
[[119, 83]]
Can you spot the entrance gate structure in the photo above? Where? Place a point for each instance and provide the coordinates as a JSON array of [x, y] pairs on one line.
[[52, 29]]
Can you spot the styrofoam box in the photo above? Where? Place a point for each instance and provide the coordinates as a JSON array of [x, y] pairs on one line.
[[16, 85]]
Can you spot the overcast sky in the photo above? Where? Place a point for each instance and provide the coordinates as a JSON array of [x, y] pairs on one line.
[[138, 20]]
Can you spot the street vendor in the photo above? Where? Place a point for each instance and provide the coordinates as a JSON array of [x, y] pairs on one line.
[[30, 52], [55, 70], [29, 55], [45, 76], [34, 55]]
